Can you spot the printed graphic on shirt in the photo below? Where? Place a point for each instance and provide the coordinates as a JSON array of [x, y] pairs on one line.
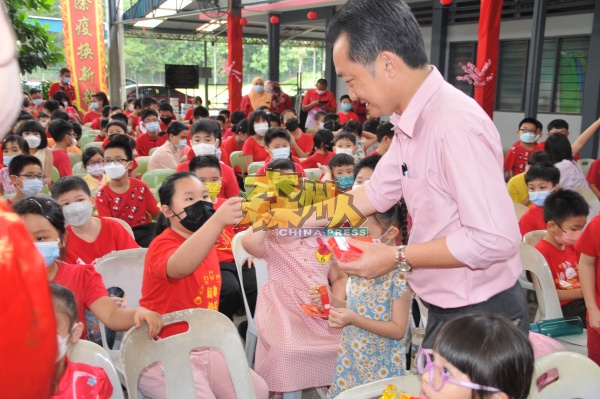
[[568, 278]]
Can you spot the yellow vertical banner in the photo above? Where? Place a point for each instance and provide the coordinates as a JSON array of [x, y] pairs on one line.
[[83, 33]]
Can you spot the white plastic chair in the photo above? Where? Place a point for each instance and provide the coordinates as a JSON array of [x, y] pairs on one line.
[[89, 353], [520, 210], [578, 377], [585, 164], [592, 201], [534, 237], [207, 329], [254, 167], [410, 384], [122, 223], [123, 269], [262, 275]]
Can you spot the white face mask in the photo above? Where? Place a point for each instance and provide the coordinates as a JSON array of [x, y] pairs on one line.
[[261, 128], [204, 149], [321, 125], [347, 151], [78, 213], [130, 107], [62, 347], [153, 127], [321, 92], [73, 142], [115, 170], [33, 141], [281, 153]]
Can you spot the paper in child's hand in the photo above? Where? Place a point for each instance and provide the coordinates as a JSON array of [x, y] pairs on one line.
[[312, 310]]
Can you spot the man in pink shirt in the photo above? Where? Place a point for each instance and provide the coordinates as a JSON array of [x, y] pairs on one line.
[[445, 160]]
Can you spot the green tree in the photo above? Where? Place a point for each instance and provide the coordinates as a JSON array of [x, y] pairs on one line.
[[36, 47]]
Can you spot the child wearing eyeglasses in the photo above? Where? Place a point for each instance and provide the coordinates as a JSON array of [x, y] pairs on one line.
[[12, 146], [477, 356], [26, 174]]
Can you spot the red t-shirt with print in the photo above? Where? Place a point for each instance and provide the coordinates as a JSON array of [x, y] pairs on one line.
[[112, 237], [516, 158], [132, 206], [229, 185], [258, 152], [163, 294], [589, 244], [81, 380], [563, 265], [85, 283]]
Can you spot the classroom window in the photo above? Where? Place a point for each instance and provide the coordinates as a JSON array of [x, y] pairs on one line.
[[512, 66], [460, 54]]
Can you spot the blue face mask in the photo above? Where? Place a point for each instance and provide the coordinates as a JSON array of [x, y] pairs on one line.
[[527, 137], [94, 105], [345, 182], [32, 187], [67, 80], [539, 197], [7, 159], [346, 107], [259, 89], [49, 251]]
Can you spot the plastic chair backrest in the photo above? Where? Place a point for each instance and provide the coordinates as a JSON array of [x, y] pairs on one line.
[[534, 237], [592, 201], [154, 178], [533, 261], [254, 167], [78, 169], [152, 151], [585, 164], [313, 174], [89, 353], [142, 165], [74, 158], [207, 329], [578, 377], [237, 159], [55, 174], [97, 144], [410, 384], [122, 223], [86, 139], [520, 209]]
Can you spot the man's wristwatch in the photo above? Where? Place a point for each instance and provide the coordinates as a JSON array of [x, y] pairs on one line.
[[401, 263]]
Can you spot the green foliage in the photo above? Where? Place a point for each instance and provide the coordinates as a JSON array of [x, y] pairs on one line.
[[36, 47]]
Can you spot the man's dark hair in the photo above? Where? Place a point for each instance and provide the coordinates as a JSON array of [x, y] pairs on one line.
[[372, 27], [322, 82], [564, 204]]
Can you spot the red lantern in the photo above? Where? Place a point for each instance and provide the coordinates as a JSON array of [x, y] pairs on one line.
[[243, 22], [446, 2], [312, 15], [274, 19]]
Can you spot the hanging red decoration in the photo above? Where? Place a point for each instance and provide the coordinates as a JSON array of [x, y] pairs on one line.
[[243, 22], [446, 2], [312, 15], [274, 19]]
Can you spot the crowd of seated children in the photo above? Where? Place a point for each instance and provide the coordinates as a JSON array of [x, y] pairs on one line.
[[565, 214], [541, 179], [571, 175], [529, 131], [150, 137], [206, 138], [385, 135], [12, 146], [25, 173], [254, 147], [277, 144], [126, 198], [322, 150], [301, 143], [181, 271], [35, 135], [208, 170], [346, 114], [517, 187], [168, 155]]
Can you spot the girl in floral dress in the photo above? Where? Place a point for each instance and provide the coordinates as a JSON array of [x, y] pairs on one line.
[[374, 317]]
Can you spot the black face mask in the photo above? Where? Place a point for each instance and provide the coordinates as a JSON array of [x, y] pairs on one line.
[[291, 125], [166, 121], [196, 215], [25, 103]]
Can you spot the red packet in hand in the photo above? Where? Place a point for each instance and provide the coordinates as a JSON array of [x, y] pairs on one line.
[[325, 302], [313, 310], [343, 251]]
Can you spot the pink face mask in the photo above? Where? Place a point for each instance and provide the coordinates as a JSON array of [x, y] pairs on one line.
[[568, 237]]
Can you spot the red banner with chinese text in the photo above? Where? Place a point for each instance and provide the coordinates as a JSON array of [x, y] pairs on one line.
[[83, 32]]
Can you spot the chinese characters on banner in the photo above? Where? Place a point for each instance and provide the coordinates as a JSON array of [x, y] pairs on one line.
[[83, 31]]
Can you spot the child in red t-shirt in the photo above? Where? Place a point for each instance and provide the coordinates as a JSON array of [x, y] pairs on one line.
[[208, 170], [322, 150], [530, 130], [74, 380], [542, 180], [182, 272], [593, 177], [124, 197], [64, 137], [254, 147], [346, 114], [565, 214], [90, 238], [589, 271], [278, 144]]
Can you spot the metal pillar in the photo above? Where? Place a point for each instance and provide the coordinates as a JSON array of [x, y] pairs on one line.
[[116, 55], [439, 34], [534, 61], [591, 90], [273, 40]]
